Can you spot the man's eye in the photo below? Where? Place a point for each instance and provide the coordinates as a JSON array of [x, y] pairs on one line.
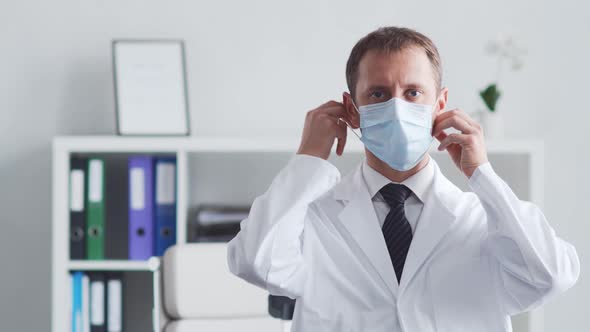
[[377, 94], [414, 93]]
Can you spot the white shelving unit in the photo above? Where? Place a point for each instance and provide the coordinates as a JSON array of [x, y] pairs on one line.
[[185, 148]]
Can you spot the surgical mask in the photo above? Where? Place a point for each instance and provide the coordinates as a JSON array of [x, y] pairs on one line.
[[396, 131]]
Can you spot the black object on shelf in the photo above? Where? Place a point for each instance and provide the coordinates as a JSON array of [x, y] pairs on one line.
[[281, 307], [223, 232], [216, 223]]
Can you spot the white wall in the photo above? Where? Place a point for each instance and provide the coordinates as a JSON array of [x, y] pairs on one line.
[[255, 67]]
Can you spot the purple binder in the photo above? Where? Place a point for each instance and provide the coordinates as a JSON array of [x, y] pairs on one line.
[[141, 207]]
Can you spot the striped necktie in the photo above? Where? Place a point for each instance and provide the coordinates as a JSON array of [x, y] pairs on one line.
[[396, 228]]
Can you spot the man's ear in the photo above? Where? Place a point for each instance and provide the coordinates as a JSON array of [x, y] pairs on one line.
[[443, 97], [351, 112]]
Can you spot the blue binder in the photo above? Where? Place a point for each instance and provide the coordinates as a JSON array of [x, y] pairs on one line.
[[141, 207], [165, 199], [77, 301]]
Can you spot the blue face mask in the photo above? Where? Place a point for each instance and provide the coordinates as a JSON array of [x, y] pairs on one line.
[[397, 132]]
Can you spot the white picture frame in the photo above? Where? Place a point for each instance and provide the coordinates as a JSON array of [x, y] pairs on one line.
[[150, 87]]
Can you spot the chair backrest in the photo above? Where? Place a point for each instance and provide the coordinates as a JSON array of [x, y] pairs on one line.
[[197, 284], [228, 325]]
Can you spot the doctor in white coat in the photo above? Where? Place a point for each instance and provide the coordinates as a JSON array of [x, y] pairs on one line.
[[395, 246]]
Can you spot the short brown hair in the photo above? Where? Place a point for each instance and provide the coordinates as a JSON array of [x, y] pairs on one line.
[[391, 39]]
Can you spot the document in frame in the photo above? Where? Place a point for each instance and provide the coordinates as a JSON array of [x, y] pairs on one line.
[[150, 87]]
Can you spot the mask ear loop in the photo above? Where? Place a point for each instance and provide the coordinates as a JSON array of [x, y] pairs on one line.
[[346, 123]]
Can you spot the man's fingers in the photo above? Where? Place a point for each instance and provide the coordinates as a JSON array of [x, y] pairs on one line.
[[341, 144], [339, 120], [453, 139], [453, 122], [330, 103], [341, 130], [341, 136], [457, 113], [345, 121], [450, 113], [333, 110], [331, 120], [441, 136]]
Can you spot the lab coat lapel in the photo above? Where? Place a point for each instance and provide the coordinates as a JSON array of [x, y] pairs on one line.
[[359, 218], [434, 222]]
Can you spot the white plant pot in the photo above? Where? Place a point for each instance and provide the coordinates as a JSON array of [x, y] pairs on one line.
[[492, 124]]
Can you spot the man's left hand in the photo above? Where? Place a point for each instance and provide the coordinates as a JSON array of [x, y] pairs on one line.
[[467, 148]]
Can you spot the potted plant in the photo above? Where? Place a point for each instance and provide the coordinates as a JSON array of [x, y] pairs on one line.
[[508, 53]]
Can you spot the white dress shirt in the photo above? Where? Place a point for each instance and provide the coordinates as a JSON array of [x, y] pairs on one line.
[[419, 184]]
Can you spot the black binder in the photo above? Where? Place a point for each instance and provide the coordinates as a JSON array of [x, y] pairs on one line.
[[78, 180], [98, 302], [116, 205]]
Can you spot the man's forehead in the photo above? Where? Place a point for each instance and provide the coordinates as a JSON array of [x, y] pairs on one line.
[[409, 65]]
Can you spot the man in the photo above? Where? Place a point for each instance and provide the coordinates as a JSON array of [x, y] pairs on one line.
[[395, 246]]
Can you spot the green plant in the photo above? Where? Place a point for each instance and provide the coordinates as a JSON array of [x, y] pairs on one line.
[[490, 96]]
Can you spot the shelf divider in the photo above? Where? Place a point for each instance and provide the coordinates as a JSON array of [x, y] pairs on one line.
[[150, 265]]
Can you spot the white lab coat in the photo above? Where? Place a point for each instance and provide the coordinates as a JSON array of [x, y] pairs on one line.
[[475, 258]]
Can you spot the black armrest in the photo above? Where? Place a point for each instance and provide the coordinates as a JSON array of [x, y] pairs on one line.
[[281, 307]]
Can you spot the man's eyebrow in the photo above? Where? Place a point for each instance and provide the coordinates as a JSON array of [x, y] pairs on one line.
[[377, 87], [405, 86], [414, 86]]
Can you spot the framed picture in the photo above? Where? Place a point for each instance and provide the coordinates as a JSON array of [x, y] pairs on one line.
[[150, 87]]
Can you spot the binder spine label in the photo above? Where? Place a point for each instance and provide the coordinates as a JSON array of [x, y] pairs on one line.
[[137, 188], [115, 306], [97, 303], [165, 183], [77, 190], [95, 189]]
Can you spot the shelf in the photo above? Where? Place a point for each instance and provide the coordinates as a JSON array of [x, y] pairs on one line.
[[174, 144], [115, 265], [234, 144]]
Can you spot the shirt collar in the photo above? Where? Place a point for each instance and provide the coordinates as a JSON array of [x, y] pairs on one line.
[[418, 183]]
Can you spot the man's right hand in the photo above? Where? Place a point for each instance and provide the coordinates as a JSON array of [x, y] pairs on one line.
[[322, 127]]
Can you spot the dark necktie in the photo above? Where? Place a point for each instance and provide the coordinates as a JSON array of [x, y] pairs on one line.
[[396, 228]]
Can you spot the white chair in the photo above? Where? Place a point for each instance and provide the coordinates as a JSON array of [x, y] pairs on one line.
[[200, 294]]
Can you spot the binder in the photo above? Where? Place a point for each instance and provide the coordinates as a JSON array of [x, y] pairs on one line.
[[96, 210], [116, 232], [70, 303], [77, 207], [76, 283], [165, 210], [97, 302], [114, 302], [85, 303], [141, 207]]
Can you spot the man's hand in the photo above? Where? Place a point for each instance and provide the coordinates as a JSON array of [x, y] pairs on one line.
[[322, 127], [467, 149]]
